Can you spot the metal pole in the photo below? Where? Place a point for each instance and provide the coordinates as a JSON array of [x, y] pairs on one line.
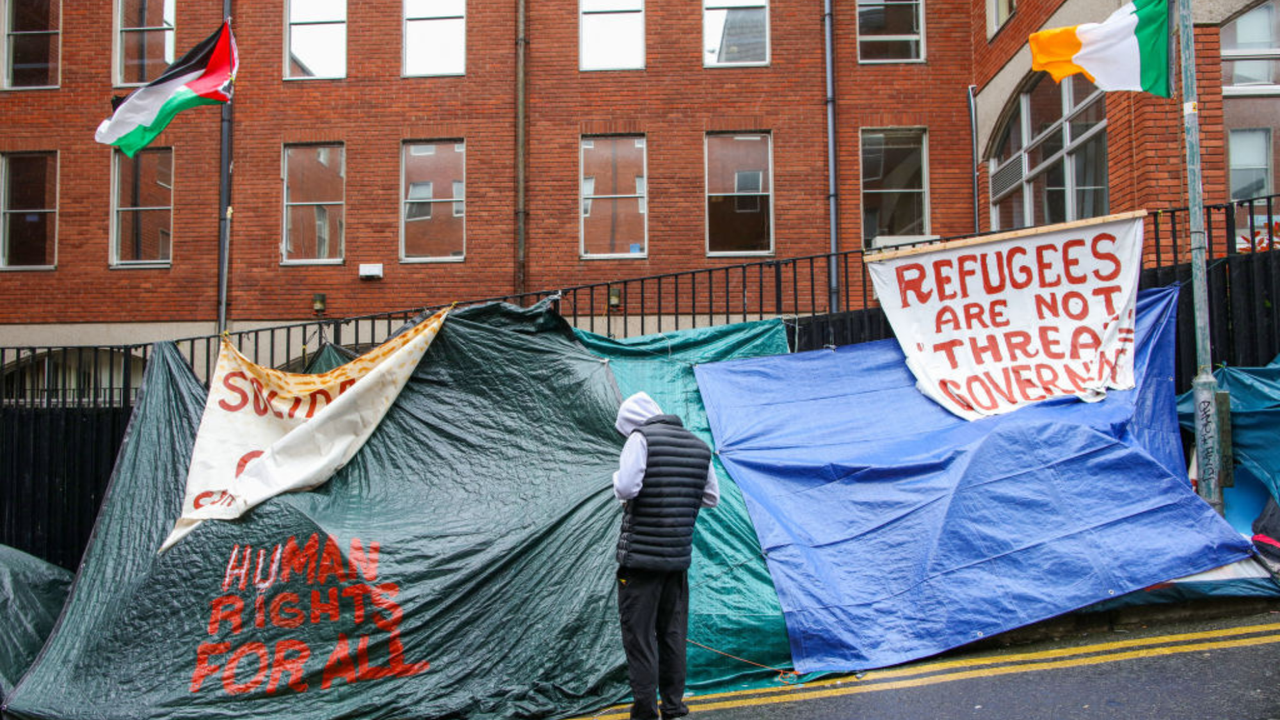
[[1204, 386], [224, 204], [833, 279], [522, 44], [973, 133]]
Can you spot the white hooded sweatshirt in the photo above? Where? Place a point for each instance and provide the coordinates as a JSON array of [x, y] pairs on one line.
[[629, 478]]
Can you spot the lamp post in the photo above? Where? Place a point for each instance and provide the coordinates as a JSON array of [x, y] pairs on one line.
[[1204, 386]]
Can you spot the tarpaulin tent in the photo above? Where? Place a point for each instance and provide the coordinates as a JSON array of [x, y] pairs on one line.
[[459, 566], [32, 592], [1255, 428], [933, 531], [733, 607]]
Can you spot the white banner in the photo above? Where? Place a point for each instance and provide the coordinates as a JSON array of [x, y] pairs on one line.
[[265, 432], [989, 325]]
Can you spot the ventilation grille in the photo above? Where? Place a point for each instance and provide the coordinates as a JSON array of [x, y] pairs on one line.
[[1006, 178]]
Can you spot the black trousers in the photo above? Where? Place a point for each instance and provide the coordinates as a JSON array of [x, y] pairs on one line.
[[654, 608]]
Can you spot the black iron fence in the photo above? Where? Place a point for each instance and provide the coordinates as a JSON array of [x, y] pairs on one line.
[[63, 410]]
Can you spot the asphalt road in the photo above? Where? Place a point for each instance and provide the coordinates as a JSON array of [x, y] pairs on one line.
[[1227, 669]]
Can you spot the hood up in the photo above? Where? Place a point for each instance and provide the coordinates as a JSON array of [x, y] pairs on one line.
[[634, 411]]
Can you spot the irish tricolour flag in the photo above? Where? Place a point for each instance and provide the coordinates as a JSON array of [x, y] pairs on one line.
[[203, 76], [1127, 51]]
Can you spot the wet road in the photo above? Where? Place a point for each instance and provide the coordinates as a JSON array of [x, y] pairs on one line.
[[1227, 669]]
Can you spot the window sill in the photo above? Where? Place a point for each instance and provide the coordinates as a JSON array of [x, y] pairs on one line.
[[913, 61], [336, 261], [407, 76], [28, 268], [432, 260], [614, 256], [739, 253], [27, 88], [730, 66], [143, 265]]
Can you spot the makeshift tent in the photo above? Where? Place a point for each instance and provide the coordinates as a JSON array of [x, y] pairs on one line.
[[31, 595], [933, 531], [1255, 432], [460, 566], [733, 607]]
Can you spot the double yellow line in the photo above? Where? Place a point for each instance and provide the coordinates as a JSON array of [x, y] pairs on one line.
[[970, 668]]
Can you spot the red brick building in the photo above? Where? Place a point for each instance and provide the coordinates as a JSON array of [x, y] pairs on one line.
[[659, 136]]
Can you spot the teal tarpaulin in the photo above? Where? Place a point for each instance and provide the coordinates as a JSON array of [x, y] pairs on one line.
[[733, 607], [32, 592]]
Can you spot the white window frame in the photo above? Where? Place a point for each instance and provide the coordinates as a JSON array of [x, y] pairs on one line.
[[6, 45], [5, 211], [582, 35], [706, 195], [1269, 55], [404, 40], [1265, 166], [1026, 185], [288, 43], [585, 199], [117, 49], [116, 157], [285, 244], [454, 202], [994, 21], [709, 5], [880, 241], [920, 37]]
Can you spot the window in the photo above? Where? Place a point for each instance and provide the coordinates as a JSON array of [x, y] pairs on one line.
[[998, 13], [146, 39], [31, 43], [890, 31], [313, 203], [1249, 154], [735, 32], [435, 37], [28, 210], [1251, 101], [1049, 164], [739, 190], [317, 43], [613, 221], [612, 33], [895, 199], [433, 220], [143, 207], [1251, 52]]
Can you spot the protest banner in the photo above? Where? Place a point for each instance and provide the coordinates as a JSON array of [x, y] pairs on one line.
[[990, 324], [265, 432]]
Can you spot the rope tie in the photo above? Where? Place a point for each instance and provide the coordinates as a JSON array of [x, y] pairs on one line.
[[786, 677]]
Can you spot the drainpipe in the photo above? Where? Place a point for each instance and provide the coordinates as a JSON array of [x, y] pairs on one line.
[[522, 44], [832, 197], [973, 131]]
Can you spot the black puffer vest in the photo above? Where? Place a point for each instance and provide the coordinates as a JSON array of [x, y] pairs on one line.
[[657, 526]]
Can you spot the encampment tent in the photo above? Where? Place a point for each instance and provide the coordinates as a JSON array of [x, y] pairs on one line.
[[935, 532], [31, 595]]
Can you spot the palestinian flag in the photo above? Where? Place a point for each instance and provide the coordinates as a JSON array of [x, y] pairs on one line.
[[202, 77], [1127, 51]]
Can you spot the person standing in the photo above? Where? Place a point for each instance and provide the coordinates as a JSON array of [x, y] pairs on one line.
[[664, 477]]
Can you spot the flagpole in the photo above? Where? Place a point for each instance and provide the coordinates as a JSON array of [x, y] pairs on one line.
[[1204, 386], [224, 201]]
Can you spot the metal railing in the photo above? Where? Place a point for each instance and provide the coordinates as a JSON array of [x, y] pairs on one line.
[[795, 289]]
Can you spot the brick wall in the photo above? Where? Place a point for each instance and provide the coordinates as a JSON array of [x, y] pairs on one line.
[[673, 103]]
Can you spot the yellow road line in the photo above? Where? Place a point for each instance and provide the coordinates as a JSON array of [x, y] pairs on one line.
[[934, 673]]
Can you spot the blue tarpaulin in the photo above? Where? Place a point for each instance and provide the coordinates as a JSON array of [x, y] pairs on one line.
[[895, 530]]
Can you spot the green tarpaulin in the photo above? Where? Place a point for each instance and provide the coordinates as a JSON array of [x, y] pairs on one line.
[[733, 608], [460, 566], [32, 592]]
